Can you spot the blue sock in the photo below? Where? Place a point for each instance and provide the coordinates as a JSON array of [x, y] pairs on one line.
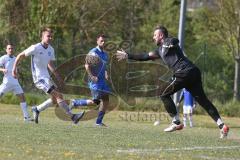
[[100, 117], [79, 102]]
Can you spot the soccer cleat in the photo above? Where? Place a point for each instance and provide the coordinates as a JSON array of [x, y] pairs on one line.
[[101, 125], [76, 117], [174, 127], [35, 114], [28, 119], [224, 131]]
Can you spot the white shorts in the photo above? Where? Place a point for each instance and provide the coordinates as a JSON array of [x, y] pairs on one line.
[[187, 109], [15, 88], [45, 84]]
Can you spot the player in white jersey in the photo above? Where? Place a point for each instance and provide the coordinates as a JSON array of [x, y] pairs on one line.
[[10, 84], [42, 57]]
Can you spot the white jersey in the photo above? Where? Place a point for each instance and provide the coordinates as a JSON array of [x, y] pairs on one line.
[[40, 58], [7, 62]]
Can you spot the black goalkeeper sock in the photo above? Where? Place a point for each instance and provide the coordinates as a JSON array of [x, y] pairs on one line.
[[177, 122]]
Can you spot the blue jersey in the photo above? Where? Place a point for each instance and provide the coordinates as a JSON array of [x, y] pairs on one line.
[[188, 98], [100, 87], [99, 69]]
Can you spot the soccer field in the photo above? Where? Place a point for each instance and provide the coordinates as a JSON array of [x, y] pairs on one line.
[[125, 138]]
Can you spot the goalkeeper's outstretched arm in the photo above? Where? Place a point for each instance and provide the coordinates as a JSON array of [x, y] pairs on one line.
[[138, 57]]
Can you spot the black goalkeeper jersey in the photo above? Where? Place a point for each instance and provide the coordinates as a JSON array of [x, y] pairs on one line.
[[172, 55]]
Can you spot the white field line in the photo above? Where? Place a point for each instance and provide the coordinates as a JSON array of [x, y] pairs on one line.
[[194, 148], [216, 158]]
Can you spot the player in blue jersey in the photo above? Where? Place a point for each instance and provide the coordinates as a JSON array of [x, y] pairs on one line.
[[96, 67], [188, 105]]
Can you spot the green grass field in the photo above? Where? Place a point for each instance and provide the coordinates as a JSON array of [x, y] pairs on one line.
[[130, 135]]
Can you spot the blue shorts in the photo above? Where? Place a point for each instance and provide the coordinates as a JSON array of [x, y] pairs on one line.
[[99, 89]]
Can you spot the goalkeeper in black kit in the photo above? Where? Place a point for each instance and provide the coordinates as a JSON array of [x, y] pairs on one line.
[[185, 75]]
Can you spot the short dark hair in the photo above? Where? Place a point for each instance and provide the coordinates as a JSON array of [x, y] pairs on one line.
[[162, 29], [8, 43], [46, 29], [101, 35]]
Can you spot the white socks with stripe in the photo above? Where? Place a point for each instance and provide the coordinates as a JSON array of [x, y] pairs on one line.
[[45, 105]]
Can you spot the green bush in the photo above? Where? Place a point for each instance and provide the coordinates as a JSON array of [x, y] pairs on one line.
[[143, 104], [229, 108], [31, 98]]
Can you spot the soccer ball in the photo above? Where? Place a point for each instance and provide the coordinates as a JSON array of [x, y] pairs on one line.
[[156, 123], [92, 60]]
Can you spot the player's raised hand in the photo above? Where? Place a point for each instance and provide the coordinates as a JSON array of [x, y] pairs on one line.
[[121, 54]]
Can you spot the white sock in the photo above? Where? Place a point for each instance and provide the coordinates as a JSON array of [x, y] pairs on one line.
[[44, 105], [219, 122], [24, 109], [190, 121], [190, 124], [184, 120]]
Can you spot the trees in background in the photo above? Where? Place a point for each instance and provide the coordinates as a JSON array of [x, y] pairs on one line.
[[77, 22], [226, 25]]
